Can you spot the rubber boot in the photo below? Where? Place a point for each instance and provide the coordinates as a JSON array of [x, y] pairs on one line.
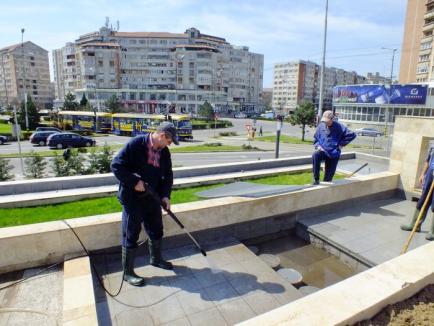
[[155, 254], [409, 227], [430, 235], [128, 256]]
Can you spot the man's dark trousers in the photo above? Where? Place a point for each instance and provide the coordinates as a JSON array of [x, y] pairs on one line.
[[330, 165], [148, 213]]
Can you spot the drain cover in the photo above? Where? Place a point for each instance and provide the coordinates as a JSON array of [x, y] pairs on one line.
[[271, 260], [291, 275]]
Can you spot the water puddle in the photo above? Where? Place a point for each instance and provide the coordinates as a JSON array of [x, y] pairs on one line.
[[318, 267]]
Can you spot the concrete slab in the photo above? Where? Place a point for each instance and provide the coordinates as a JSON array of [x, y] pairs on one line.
[[248, 189], [369, 232], [37, 301], [193, 294]]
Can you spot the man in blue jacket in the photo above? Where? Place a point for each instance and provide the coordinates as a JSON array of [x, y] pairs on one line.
[[330, 136], [144, 162], [426, 179]]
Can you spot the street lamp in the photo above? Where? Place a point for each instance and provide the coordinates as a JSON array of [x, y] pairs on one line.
[[321, 85], [24, 78], [387, 117]]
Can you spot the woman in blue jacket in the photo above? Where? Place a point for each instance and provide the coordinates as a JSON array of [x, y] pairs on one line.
[[330, 136]]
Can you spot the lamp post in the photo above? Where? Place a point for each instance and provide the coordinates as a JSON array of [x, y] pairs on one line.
[[321, 85], [24, 78], [387, 117]]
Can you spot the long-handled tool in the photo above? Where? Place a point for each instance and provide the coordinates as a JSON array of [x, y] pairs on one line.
[[421, 212], [363, 166], [157, 198]]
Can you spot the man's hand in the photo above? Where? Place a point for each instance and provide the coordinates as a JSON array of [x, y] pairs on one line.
[[166, 202], [140, 186]]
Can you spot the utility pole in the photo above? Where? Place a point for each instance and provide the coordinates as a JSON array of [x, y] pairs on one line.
[[24, 78], [321, 85], [18, 133], [388, 113], [279, 128]]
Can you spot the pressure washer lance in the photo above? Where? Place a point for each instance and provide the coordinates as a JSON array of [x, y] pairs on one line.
[[155, 196], [364, 165]]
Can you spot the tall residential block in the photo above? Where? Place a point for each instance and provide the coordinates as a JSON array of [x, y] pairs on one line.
[[298, 81], [156, 72], [24, 69], [416, 54]]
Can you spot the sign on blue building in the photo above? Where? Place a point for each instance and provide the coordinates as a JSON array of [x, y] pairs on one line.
[[380, 94]]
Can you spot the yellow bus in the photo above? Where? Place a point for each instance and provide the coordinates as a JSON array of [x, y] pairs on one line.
[[85, 120]]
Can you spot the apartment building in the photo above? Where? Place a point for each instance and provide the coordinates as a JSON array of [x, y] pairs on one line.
[[376, 78], [298, 81], [24, 70], [416, 59], [157, 72]]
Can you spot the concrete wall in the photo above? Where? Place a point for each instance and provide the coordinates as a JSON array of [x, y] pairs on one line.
[[44, 243], [52, 184], [410, 143]]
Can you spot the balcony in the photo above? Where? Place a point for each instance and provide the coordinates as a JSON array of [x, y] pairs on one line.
[[428, 27], [429, 14]]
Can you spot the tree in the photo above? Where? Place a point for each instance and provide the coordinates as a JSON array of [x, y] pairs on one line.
[[303, 115], [32, 114], [35, 166], [112, 104], [72, 166], [70, 102], [83, 101], [5, 167], [206, 111], [99, 162]]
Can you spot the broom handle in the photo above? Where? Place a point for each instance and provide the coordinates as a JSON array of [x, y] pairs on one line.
[[404, 249]]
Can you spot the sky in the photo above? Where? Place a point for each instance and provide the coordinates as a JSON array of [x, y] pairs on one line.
[[281, 30]]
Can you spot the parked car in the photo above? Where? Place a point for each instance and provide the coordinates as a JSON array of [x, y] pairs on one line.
[[369, 132], [69, 139], [48, 129], [40, 137], [3, 139]]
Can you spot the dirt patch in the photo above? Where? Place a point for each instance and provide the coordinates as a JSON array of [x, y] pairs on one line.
[[417, 310]]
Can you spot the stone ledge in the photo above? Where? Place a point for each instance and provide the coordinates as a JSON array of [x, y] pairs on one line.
[[52, 241], [78, 297]]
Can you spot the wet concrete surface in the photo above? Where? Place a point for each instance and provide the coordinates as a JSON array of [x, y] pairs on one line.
[[37, 301], [370, 232], [229, 286], [317, 266]]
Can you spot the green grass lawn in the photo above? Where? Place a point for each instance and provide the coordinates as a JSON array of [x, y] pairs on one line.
[[5, 128], [284, 139], [96, 206]]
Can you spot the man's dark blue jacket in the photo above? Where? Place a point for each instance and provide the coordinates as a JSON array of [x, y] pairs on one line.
[[131, 164], [331, 138]]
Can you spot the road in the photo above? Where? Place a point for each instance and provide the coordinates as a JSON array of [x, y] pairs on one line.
[[207, 135]]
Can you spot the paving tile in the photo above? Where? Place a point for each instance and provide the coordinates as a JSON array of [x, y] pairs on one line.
[[194, 302], [166, 311], [221, 292], [245, 284], [134, 317], [261, 302], [208, 317], [179, 322], [187, 283], [236, 311], [206, 277]]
